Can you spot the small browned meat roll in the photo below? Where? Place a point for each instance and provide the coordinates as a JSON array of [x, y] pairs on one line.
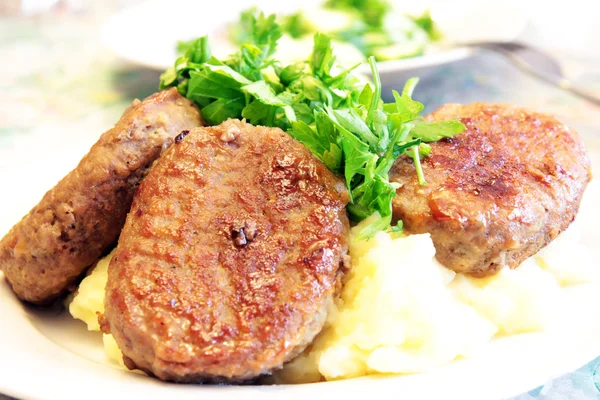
[[81, 217], [496, 193], [229, 257]]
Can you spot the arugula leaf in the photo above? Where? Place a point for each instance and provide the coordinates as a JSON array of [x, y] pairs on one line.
[[254, 27], [222, 109], [325, 128], [333, 157], [408, 108], [292, 72], [242, 30], [365, 96], [434, 131], [356, 155], [262, 92], [265, 33], [349, 119], [409, 86], [198, 51], [320, 139], [303, 112], [228, 72], [183, 45], [313, 89], [303, 133], [255, 112], [322, 58], [167, 78], [424, 150], [341, 80], [376, 97], [213, 85]]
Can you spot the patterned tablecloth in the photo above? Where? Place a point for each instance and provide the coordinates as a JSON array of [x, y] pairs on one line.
[[60, 85]]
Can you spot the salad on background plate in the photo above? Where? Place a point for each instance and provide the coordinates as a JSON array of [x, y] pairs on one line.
[[402, 36], [358, 28]]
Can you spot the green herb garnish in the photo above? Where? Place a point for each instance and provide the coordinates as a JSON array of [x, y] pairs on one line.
[[341, 119]]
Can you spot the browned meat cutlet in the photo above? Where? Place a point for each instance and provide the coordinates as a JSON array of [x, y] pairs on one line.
[[81, 217], [229, 257], [497, 192]]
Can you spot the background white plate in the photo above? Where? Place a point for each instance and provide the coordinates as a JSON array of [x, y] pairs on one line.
[[147, 33]]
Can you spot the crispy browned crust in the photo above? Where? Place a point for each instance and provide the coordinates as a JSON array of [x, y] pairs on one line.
[[228, 259], [496, 193], [78, 219]]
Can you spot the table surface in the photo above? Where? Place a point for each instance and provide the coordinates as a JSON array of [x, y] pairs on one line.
[[59, 83]]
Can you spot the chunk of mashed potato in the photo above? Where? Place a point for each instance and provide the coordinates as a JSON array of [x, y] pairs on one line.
[[88, 302], [402, 312]]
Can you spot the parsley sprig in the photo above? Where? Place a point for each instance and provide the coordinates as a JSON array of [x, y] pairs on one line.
[[339, 117]]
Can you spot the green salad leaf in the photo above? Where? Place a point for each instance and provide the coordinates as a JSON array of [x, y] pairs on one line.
[[296, 25], [425, 22], [371, 11], [372, 26], [338, 116]]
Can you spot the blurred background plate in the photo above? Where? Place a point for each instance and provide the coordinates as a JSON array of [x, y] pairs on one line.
[[147, 33]]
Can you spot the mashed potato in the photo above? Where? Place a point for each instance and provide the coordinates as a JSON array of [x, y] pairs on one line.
[[515, 301], [88, 302], [395, 315], [402, 312]]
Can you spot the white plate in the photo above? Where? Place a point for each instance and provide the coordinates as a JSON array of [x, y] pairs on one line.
[[50, 356], [146, 34], [53, 357]]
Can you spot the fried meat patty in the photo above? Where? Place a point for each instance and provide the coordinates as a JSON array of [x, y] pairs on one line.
[[229, 257], [496, 193], [82, 216]]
